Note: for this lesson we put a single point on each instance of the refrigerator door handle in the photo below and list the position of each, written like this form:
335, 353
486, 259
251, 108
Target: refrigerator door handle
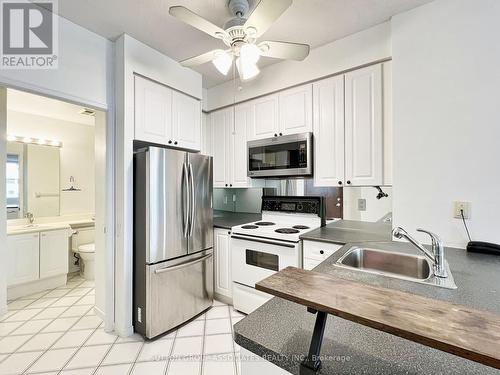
193, 200
185, 199
183, 265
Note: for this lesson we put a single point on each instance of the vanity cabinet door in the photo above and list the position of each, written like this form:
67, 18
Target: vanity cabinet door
22, 258
53, 253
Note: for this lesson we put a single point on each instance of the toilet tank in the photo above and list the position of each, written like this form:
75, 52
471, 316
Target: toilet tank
82, 236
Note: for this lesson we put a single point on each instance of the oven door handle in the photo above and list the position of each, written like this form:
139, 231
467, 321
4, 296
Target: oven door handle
263, 241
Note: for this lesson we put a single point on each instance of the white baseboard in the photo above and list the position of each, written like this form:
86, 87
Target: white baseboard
224, 299
124, 331
36, 286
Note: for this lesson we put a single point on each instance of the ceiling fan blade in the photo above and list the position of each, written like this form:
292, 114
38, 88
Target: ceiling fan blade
265, 14
191, 18
284, 50
201, 59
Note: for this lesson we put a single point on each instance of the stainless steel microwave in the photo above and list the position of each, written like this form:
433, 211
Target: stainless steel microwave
283, 156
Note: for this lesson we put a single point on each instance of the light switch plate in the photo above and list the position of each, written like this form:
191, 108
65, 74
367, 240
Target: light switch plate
458, 206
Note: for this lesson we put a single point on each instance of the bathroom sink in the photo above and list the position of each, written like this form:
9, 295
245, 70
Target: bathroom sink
402, 266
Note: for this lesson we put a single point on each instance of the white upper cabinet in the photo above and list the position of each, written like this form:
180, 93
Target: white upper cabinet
363, 126
166, 116
186, 122
243, 119
295, 110
221, 123
207, 135
328, 109
153, 111
23, 258
265, 122
228, 134
53, 253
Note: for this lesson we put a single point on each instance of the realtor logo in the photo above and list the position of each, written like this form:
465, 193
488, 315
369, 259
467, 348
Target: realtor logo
29, 34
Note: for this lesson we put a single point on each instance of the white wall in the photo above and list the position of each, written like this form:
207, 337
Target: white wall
446, 86
132, 57
76, 155
83, 73
3, 201
375, 208
352, 51
85, 76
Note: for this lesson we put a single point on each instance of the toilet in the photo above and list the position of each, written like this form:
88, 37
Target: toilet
82, 243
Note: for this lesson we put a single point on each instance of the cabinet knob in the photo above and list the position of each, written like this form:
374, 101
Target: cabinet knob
226, 184
170, 142
229, 232
175, 142
348, 182
275, 134
321, 252
281, 134
340, 182
230, 185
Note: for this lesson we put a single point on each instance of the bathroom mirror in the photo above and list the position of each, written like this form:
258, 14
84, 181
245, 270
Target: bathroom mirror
32, 180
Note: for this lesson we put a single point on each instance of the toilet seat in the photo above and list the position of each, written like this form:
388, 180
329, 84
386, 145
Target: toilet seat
87, 248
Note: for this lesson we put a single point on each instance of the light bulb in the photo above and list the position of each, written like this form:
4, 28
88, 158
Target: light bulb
223, 62
250, 53
246, 70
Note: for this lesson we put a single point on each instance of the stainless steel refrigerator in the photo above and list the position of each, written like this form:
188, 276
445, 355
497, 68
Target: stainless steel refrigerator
173, 238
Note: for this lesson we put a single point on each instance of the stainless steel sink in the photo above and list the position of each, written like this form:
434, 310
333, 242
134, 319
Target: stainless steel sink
393, 264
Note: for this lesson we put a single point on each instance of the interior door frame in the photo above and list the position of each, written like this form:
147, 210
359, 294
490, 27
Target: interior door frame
109, 225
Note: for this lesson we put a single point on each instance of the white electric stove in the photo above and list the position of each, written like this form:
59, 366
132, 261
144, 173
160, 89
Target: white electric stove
261, 248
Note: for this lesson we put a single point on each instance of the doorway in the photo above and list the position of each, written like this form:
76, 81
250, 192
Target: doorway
56, 175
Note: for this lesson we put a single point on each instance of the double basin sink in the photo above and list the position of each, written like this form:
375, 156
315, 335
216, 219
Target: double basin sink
393, 264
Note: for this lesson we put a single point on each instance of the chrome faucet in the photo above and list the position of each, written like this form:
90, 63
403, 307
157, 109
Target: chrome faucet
30, 217
437, 255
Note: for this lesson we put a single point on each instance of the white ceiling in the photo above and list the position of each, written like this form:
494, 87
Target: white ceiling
20, 101
315, 22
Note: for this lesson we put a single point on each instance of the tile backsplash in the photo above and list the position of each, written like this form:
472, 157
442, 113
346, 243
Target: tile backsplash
238, 200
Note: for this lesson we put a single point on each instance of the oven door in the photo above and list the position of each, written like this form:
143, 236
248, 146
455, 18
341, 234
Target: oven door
254, 259
289, 155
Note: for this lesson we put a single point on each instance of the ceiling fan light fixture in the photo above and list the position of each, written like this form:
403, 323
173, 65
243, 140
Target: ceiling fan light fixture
247, 70
223, 62
250, 53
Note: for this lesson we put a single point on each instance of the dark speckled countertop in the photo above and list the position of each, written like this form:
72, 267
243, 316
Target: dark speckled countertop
282, 330
345, 231
227, 219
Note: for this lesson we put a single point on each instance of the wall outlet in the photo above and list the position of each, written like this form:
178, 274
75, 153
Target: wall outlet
362, 204
465, 206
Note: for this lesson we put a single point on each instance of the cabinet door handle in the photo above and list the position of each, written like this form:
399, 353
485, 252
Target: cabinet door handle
321, 252
281, 134
340, 182
175, 142
348, 182
170, 142
275, 134
226, 184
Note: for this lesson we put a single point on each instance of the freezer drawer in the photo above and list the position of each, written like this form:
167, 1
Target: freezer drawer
177, 291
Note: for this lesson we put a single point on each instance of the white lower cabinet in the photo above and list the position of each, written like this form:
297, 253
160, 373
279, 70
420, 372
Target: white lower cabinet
316, 252
222, 264
34, 256
53, 253
22, 258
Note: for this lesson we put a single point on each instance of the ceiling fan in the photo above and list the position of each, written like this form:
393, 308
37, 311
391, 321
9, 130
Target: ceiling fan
240, 34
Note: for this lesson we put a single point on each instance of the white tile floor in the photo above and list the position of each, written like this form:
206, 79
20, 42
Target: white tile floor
57, 332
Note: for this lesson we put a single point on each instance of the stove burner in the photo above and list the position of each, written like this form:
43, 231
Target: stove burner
264, 223
300, 227
287, 230
249, 227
